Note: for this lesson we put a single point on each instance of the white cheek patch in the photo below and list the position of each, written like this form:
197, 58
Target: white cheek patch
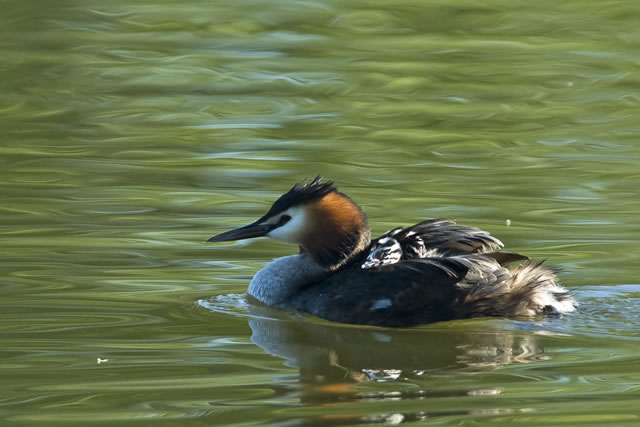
292, 231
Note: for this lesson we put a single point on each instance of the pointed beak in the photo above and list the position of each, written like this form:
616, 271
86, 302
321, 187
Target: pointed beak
247, 232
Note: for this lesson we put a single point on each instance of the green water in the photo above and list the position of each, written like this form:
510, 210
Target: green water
130, 132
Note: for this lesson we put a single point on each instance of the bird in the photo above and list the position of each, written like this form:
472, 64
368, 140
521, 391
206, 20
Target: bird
434, 237
435, 270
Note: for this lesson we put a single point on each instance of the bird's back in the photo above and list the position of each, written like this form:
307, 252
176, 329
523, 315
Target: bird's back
421, 291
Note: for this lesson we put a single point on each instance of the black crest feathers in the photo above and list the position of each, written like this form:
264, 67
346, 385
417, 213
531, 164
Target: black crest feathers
300, 194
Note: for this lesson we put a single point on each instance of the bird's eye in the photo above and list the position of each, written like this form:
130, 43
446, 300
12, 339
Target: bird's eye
284, 219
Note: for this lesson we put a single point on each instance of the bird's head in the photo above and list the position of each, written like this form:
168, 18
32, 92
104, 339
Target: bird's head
326, 224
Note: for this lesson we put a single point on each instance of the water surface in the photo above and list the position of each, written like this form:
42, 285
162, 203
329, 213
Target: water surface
130, 133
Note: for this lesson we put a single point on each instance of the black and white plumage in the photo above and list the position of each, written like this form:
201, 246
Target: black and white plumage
432, 271
430, 238
386, 250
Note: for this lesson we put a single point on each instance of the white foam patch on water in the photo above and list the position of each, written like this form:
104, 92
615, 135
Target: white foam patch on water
238, 305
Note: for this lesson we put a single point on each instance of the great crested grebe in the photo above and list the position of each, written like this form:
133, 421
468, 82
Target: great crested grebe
435, 270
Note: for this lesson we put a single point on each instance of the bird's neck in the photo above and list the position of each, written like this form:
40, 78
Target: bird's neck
283, 277
339, 231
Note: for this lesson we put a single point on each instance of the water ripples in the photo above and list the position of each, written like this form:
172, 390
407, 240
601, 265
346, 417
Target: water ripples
133, 132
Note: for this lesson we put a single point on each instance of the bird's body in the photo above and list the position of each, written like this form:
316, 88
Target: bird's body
435, 270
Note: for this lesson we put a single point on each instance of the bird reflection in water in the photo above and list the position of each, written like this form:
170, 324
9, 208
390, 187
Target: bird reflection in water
339, 364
